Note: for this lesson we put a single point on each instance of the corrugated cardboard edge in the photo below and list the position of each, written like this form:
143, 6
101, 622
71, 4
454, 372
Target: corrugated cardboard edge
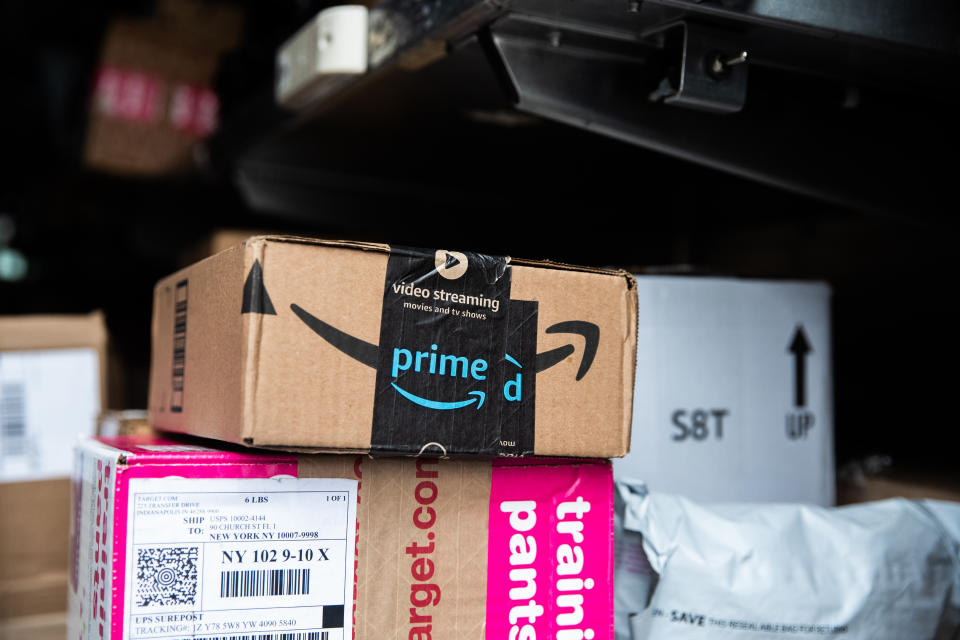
632, 304
385, 248
312, 450
51, 331
253, 250
343, 244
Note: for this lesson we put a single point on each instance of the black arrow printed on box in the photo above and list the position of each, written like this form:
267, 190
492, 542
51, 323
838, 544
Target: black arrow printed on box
255, 296
800, 347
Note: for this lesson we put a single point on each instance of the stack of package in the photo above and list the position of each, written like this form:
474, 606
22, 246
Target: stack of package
430, 433
370, 441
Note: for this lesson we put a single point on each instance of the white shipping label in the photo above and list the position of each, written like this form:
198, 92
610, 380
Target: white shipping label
48, 399
240, 559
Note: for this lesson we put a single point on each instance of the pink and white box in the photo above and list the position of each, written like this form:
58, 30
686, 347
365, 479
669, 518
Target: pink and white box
176, 541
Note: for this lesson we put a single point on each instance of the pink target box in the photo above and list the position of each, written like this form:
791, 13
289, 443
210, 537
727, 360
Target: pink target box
174, 540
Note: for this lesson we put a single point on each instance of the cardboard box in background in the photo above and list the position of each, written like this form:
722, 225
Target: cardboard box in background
52, 385
223, 239
33, 557
734, 398
353, 347
913, 484
443, 549
51, 626
153, 97
126, 422
217, 241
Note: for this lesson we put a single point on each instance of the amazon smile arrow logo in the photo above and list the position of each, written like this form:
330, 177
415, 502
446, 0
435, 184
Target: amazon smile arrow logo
436, 404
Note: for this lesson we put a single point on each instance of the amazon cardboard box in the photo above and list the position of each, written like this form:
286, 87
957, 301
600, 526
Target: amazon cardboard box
179, 540
355, 347
52, 380
734, 392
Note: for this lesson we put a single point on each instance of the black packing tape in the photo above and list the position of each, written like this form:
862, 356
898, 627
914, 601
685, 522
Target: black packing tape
456, 360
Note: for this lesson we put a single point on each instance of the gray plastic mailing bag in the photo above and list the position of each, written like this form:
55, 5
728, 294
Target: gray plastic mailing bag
880, 570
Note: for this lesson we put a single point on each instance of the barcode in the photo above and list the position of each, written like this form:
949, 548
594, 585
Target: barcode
166, 576
179, 345
295, 635
264, 582
13, 423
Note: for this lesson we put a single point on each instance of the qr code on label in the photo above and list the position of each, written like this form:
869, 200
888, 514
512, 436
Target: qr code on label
166, 576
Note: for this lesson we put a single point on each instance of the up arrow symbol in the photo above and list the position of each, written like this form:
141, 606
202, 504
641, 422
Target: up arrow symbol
800, 347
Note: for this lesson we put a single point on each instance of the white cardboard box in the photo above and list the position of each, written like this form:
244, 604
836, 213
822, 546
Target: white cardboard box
733, 396
52, 377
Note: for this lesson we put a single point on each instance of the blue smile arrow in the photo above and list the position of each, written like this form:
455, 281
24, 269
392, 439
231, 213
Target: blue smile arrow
436, 404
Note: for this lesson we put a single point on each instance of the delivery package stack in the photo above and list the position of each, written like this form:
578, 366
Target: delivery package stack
362, 440
396, 443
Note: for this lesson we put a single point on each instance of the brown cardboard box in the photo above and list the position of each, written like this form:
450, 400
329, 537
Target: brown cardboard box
437, 552
33, 547
279, 342
910, 483
127, 422
34, 520
153, 98
51, 626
